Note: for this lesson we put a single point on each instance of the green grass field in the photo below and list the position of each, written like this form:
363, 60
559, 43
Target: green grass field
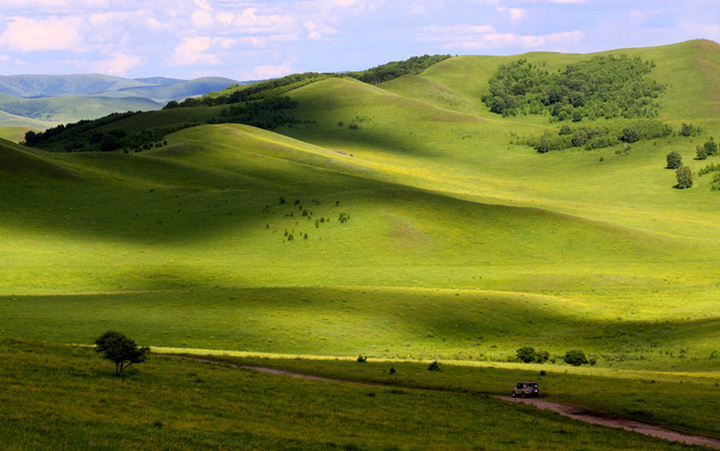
401, 221
170, 404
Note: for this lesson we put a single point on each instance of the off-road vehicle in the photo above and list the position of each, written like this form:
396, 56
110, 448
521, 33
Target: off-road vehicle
526, 390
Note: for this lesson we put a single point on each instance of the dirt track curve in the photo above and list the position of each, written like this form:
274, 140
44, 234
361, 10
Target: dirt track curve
562, 409
614, 422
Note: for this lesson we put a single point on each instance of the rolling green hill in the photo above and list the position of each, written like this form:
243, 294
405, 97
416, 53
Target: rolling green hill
43, 101
402, 220
54, 110
173, 91
58, 85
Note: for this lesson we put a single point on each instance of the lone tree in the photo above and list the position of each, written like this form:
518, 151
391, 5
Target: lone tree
118, 348
684, 177
711, 147
575, 357
674, 160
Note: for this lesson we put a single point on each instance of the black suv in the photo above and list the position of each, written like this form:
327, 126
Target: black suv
526, 389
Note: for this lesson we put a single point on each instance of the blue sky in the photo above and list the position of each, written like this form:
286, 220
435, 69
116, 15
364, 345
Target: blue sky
250, 40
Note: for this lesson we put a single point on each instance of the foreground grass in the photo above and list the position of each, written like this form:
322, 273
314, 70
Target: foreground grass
678, 401
64, 398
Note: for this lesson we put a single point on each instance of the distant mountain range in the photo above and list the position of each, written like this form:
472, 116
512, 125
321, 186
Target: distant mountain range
41, 101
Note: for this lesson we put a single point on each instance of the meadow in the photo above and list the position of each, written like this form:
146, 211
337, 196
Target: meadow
171, 404
403, 222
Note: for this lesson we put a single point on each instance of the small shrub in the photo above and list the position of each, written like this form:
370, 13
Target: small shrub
526, 354
434, 366
575, 357
542, 356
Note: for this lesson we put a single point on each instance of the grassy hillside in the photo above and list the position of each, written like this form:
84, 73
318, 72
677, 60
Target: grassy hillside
11, 121
174, 91
401, 220
55, 110
14, 134
57, 85
43, 101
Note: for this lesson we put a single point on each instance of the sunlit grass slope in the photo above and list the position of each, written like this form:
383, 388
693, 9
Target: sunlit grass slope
190, 246
409, 125
401, 200
14, 134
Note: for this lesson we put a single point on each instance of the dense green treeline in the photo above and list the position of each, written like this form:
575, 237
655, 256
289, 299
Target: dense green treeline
604, 86
257, 91
596, 136
395, 69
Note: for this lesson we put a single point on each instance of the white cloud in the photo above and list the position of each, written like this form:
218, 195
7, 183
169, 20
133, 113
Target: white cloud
30, 35
527, 42
467, 37
55, 5
202, 19
317, 31
203, 4
454, 33
705, 31
248, 21
225, 18
119, 65
516, 14
272, 71
154, 24
194, 51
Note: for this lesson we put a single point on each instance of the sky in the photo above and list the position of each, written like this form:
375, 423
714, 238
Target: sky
255, 40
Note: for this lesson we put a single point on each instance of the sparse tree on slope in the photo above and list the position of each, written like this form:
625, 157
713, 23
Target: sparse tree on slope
684, 177
674, 160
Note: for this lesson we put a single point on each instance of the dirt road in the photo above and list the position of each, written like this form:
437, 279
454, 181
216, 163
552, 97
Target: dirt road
562, 409
613, 422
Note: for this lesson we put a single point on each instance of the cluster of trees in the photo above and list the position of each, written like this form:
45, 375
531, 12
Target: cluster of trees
68, 132
684, 174
709, 149
595, 136
395, 69
268, 113
528, 354
604, 86
575, 357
